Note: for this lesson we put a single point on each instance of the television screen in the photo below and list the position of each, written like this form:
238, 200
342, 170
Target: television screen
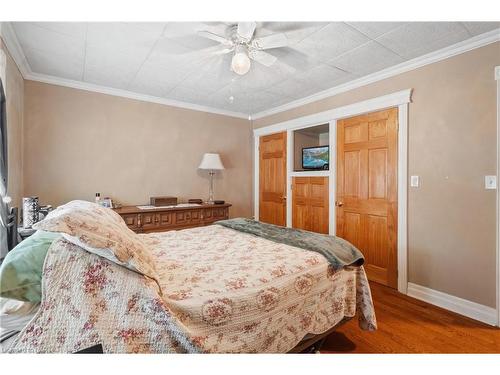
315, 157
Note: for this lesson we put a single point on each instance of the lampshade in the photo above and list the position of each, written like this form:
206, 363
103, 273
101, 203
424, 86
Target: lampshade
211, 162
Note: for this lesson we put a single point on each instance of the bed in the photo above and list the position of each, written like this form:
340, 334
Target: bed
215, 290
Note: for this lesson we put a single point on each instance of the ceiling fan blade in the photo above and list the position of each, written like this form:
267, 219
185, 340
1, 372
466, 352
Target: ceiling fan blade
270, 41
246, 30
262, 57
224, 51
215, 37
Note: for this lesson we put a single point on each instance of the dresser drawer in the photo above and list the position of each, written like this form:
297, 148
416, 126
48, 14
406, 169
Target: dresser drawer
165, 218
148, 220
214, 214
131, 221
188, 217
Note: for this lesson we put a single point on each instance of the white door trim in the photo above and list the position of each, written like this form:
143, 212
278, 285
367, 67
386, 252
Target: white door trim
398, 99
497, 78
403, 198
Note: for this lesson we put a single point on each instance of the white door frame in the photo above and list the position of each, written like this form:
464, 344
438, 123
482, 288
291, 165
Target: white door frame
399, 99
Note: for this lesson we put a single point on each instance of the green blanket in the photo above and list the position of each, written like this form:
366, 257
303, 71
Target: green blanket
337, 251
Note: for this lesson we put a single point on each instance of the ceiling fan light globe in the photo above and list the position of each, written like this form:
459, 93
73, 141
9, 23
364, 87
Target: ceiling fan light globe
240, 63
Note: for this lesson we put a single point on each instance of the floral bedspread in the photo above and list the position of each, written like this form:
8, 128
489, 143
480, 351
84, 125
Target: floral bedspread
221, 291
235, 292
88, 300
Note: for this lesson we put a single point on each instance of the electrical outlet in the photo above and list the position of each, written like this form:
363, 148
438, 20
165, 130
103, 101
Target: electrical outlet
415, 181
490, 182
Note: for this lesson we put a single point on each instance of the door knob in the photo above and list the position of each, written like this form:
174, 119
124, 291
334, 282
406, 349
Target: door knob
283, 198
339, 204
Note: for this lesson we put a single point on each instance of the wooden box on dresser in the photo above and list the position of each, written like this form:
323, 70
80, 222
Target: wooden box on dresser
164, 219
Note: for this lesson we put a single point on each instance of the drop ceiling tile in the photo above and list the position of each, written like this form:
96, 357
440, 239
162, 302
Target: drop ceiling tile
331, 41
127, 62
150, 87
155, 28
34, 37
54, 65
211, 76
476, 28
188, 96
294, 88
168, 54
74, 29
375, 29
295, 31
368, 58
121, 36
295, 60
186, 33
117, 78
244, 101
155, 80
323, 76
419, 38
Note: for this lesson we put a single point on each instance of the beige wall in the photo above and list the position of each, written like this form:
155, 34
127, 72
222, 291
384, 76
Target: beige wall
14, 92
78, 143
452, 130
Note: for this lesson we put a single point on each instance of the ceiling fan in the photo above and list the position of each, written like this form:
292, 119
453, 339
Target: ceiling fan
241, 41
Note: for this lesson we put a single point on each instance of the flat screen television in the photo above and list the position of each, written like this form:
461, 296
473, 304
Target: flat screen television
316, 157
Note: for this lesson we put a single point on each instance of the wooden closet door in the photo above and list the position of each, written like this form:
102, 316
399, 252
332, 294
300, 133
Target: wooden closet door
310, 204
300, 203
318, 203
367, 190
272, 179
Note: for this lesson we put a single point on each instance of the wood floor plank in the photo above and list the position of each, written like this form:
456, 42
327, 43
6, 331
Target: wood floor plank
407, 325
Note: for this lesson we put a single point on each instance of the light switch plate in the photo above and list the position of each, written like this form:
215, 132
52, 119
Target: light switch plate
415, 181
490, 182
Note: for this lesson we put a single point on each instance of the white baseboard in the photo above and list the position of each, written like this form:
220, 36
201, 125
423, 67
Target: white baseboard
458, 305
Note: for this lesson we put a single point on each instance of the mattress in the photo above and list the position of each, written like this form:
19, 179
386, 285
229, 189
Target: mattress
235, 292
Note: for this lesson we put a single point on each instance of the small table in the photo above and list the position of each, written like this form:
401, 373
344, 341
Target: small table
25, 232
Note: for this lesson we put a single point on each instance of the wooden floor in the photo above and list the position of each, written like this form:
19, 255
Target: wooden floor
407, 325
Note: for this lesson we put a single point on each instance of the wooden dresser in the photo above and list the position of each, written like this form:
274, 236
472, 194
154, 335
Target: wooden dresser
164, 219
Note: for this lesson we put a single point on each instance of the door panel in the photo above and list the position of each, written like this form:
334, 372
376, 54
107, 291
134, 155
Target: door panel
352, 228
272, 179
352, 173
367, 190
310, 204
377, 174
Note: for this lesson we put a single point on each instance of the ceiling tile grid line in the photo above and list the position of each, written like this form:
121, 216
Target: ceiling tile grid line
172, 62
149, 54
85, 52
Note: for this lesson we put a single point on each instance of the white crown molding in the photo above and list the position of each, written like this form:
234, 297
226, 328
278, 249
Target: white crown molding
370, 105
442, 54
458, 305
15, 50
129, 94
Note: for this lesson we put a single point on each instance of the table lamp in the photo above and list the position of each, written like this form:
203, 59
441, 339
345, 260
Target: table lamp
212, 163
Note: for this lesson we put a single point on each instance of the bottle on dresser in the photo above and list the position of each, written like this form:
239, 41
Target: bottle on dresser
98, 198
